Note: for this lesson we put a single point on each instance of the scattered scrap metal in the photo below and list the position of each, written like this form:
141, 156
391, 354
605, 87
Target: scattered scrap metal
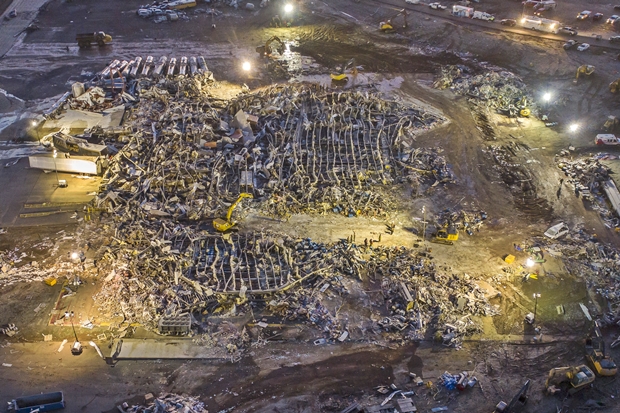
167, 403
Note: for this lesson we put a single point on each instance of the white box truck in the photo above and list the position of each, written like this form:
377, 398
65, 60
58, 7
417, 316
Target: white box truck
462, 11
536, 23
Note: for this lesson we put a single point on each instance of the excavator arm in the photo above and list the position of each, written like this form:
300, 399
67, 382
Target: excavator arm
266, 49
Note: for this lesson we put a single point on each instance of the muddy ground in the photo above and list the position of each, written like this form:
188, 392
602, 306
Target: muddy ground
290, 374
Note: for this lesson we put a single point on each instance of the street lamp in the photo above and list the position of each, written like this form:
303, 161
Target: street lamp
547, 97
76, 348
55, 168
573, 127
529, 262
246, 66
536, 297
288, 8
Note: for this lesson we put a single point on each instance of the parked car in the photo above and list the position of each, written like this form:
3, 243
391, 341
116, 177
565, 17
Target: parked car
584, 15
569, 44
530, 3
568, 30
508, 22
412, 1
614, 39
597, 16
557, 231
583, 47
617, 7
437, 6
612, 19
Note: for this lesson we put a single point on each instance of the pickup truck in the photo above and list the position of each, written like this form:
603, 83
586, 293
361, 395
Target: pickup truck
45, 402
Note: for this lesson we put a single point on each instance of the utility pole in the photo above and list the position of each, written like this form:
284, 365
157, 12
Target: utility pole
424, 226
55, 168
536, 297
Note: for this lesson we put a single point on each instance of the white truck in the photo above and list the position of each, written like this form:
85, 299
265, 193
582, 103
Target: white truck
606, 139
483, 16
537, 23
462, 11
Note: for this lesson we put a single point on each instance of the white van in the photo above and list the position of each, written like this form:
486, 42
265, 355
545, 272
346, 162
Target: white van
606, 139
483, 16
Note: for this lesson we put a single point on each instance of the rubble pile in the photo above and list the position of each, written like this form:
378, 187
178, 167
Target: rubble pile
518, 179
468, 222
588, 178
14, 270
497, 89
168, 403
421, 298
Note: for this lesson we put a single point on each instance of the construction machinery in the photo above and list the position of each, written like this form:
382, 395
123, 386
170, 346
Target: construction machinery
585, 70
224, 224
518, 107
266, 50
578, 377
448, 234
516, 404
602, 363
611, 124
341, 73
614, 86
388, 26
87, 39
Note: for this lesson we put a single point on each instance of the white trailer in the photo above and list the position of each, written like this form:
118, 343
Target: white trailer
462, 11
537, 23
81, 165
483, 16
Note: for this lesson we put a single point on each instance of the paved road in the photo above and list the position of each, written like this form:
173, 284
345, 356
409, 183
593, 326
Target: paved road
26, 12
584, 37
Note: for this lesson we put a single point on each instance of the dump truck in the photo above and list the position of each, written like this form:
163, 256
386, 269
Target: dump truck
45, 402
578, 379
87, 39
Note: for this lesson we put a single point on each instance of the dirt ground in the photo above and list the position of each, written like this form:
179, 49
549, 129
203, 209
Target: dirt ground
290, 374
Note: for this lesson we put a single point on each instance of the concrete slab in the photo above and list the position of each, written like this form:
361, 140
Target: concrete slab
183, 348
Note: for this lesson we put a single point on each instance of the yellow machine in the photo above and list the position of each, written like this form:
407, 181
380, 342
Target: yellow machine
446, 235
388, 27
585, 70
223, 225
603, 364
611, 123
578, 377
614, 86
341, 74
266, 50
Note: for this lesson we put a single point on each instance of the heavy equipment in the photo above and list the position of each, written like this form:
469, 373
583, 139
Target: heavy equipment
611, 124
388, 27
86, 39
614, 86
602, 363
519, 107
341, 73
223, 225
448, 234
516, 404
585, 70
579, 377
266, 50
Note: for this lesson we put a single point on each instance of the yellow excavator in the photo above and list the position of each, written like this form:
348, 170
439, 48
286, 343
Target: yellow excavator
341, 73
266, 50
614, 86
585, 70
223, 225
389, 27
446, 235
579, 377
603, 364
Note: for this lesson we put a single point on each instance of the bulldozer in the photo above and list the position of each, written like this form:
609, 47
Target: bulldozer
578, 377
448, 235
388, 27
224, 224
585, 70
614, 86
341, 73
266, 50
602, 363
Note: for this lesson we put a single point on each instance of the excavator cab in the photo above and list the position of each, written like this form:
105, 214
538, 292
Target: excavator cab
224, 224
266, 50
446, 235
